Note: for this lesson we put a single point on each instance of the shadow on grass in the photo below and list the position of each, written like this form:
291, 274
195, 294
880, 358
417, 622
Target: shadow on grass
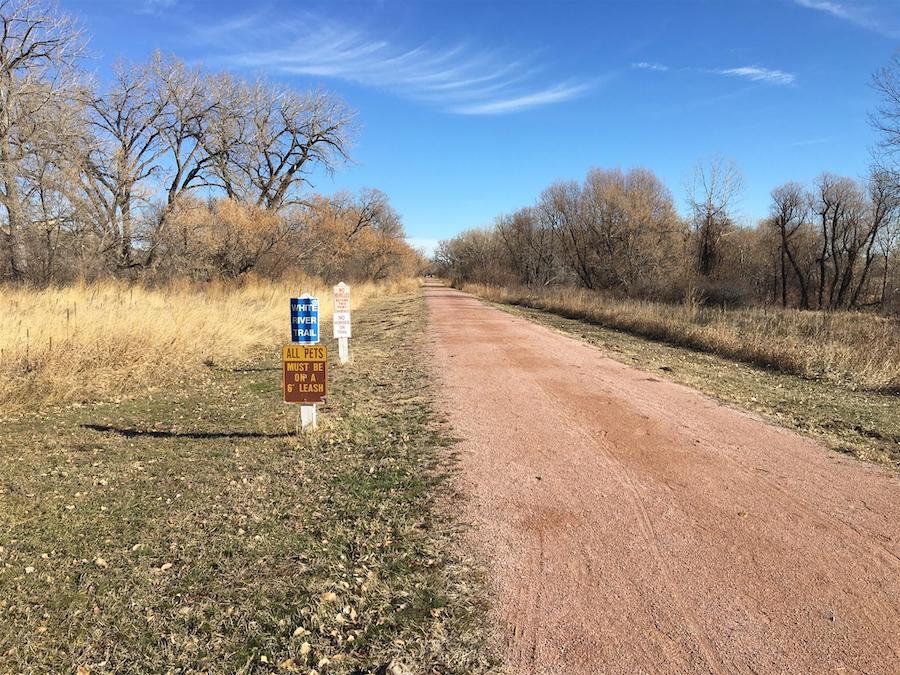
198, 435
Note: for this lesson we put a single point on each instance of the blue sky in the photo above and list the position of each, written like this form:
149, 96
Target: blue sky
469, 108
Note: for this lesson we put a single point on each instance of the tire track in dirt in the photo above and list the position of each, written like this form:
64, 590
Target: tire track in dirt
634, 525
710, 655
880, 613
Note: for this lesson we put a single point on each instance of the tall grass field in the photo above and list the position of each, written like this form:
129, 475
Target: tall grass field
854, 349
86, 342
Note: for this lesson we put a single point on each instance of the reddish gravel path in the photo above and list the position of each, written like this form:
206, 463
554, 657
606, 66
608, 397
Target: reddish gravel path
634, 525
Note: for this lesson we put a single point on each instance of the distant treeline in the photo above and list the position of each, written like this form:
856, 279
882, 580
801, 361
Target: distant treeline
834, 244
170, 170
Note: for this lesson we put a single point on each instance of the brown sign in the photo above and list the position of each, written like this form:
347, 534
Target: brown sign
305, 373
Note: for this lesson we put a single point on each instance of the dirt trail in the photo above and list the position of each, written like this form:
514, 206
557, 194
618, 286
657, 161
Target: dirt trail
634, 525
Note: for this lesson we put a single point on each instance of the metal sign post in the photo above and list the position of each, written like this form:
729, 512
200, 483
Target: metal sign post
305, 364
341, 320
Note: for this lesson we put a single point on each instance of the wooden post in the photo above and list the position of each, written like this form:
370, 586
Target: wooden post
307, 417
344, 349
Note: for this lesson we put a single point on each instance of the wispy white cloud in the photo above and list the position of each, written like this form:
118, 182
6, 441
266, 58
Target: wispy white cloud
834, 8
643, 65
459, 78
555, 94
752, 73
883, 20
757, 74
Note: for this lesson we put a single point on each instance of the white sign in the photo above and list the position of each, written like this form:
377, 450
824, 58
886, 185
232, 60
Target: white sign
342, 325
341, 298
341, 319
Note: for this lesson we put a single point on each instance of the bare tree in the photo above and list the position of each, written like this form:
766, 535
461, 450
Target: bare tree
186, 103
287, 136
227, 137
371, 210
51, 176
470, 256
888, 245
880, 216
886, 118
839, 207
38, 50
85, 175
559, 208
789, 214
530, 247
130, 118
713, 189
633, 224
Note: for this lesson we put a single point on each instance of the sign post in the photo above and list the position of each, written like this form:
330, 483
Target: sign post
341, 320
305, 363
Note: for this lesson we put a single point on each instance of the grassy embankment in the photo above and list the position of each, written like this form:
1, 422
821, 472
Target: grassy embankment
188, 529
834, 375
82, 343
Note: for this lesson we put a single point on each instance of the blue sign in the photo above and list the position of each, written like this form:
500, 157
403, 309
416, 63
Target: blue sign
305, 320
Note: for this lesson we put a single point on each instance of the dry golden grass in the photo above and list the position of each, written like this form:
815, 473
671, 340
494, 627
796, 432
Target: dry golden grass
858, 350
87, 342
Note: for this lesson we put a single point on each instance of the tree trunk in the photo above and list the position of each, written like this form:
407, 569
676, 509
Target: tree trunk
15, 247
821, 261
884, 278
15, 216
783, 275
867, 266
126, 234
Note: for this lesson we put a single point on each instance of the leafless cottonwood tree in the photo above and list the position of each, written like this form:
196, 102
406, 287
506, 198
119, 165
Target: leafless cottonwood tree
633, 225
52, 178
713, 190
287, 135
560, 208
92, 180
39, 48
129, 118
187, 101
888, 245
846, 222
371, 210
881, 213
886, 117
226, 136
164, 122
829, 246
530, 247
790, 213
838, 206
